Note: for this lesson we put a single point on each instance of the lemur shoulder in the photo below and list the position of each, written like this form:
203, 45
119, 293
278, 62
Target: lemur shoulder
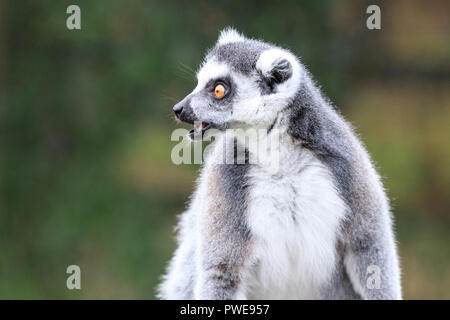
312, 230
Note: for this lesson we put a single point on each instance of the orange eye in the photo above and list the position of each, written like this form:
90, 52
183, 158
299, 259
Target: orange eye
219, 91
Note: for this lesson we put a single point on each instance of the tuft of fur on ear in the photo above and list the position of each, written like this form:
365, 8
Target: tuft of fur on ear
228, 35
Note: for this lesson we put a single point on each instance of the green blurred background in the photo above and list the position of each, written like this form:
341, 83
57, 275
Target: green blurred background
85, 121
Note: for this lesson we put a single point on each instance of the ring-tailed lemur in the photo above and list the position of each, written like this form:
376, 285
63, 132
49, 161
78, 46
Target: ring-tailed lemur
319, 228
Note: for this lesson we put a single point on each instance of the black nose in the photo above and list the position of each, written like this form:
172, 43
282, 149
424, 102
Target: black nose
178, 109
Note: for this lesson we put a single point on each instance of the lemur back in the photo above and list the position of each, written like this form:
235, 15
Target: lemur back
318, 227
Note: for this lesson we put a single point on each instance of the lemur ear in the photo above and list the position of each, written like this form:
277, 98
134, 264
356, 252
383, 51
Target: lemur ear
281, 70
274, 68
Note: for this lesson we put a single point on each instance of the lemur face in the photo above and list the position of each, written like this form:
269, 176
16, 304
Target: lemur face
242, 83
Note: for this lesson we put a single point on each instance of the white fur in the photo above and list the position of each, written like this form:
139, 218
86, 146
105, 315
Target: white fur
293, 260
248, 101
351, 266
229, 35
211, 69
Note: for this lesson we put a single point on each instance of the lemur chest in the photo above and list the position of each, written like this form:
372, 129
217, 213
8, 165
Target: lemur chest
294, 218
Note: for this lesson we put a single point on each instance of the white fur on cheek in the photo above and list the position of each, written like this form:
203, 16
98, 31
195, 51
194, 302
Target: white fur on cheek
247, 101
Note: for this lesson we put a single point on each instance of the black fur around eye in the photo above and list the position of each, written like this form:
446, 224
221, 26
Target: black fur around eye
221, 90
223, 82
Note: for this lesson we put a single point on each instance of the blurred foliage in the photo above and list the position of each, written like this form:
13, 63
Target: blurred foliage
85, 123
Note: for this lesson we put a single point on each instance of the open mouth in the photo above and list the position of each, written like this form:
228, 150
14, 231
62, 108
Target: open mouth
199, 129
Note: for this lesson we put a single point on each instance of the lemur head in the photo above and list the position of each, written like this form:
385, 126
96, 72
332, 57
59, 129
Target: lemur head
241, 83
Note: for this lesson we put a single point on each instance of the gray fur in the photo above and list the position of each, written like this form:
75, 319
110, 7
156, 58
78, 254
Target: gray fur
340, 286
240, 56
229, 242
367, 229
